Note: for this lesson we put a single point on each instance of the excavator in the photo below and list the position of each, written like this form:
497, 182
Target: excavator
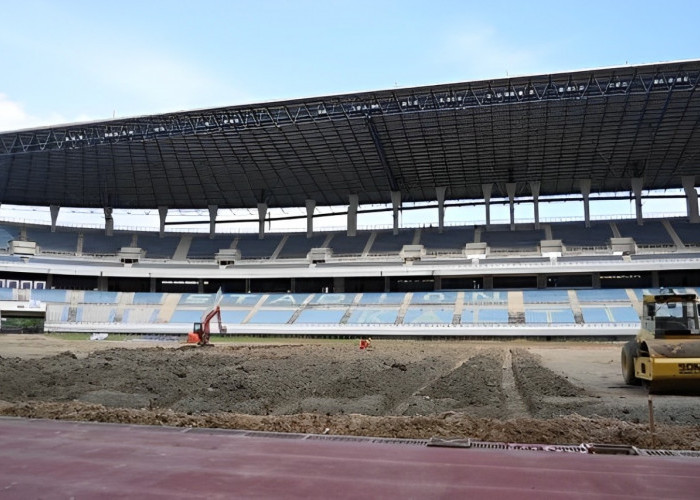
665, 355
201, 331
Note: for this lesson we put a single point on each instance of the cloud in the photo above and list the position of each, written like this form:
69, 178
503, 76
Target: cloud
154, 81
13, 116
482, 53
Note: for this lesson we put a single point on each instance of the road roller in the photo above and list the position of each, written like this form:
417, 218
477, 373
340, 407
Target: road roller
665, 355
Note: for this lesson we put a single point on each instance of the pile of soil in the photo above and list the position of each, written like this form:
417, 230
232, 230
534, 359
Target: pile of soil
401, 389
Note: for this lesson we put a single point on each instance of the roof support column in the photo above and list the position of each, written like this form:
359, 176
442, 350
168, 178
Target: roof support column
510, 189
637, 184
262, 212
310, 207
109, 221
54, 216
353, 202
396, 205
691, 197
213, 209
486, 190
440, 192
162, 213
585, 186
535, 189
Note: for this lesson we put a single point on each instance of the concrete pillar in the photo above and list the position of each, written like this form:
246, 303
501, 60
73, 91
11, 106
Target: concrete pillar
152, 285
54, 216
109, 221
395, 206
310, 207
637, 184
262, 212
353, 202
213, 209
510, 189
486, 190
691, 197
585, 186
162, 213
535, 190
440, 192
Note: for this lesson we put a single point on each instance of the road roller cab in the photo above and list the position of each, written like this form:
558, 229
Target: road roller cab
665, 355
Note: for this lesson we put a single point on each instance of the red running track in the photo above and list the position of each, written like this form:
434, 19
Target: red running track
54, 459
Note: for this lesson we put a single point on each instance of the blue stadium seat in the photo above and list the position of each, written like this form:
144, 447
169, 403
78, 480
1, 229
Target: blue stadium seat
419, 315
320, 316
333, 298
298, 245
240, 299
204, 247
545, 296
186, 316
157, 247
272, 316
61, 241
492, 316
342, 244
286, 299
98, 243
7, 234
576, 234
624, 314
603, 295
98, 297
452, 239
147, 298
234, 316
652, 232
437, 297
386, 242
373, 316
59, 296
382, 298
251, 247
595, 315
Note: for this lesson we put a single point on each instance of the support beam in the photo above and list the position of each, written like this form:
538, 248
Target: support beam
54, 216
213, 209
353, 202
510, 189
637, 184
162, 214
585, 186
262, 212
440, 192
535, 190
310, 207
109, 221
395, 206
691, 198
486, 190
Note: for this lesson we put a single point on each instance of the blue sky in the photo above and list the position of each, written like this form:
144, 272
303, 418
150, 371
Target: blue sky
65, 61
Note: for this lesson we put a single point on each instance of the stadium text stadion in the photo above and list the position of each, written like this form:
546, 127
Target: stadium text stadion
574, 136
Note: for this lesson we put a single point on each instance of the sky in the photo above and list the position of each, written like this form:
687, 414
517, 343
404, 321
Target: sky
65, 61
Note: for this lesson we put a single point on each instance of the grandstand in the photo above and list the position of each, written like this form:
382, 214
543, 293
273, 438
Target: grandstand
577, 137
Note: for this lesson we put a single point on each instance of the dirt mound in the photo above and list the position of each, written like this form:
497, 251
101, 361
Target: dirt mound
401, 389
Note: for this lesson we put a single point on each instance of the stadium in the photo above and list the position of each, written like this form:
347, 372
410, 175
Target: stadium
575, 138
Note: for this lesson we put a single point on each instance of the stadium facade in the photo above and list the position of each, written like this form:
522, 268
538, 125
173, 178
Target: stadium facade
573, 136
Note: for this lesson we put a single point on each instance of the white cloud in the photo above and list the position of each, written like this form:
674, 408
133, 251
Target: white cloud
482, 53
13, 116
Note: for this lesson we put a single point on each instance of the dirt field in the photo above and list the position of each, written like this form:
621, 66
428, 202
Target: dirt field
518, 391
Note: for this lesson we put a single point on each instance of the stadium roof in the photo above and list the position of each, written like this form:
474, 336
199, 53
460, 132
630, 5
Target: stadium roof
607, 125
